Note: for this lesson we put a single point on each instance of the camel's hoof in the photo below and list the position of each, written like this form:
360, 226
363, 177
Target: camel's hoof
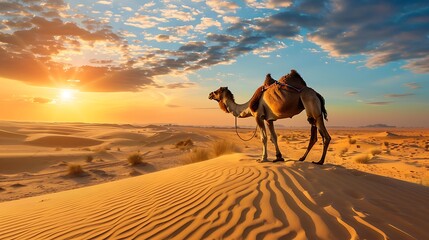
280, 159
301, 159
318, 163
262, 160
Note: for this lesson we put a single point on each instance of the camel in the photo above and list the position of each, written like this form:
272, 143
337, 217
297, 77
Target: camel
276, 100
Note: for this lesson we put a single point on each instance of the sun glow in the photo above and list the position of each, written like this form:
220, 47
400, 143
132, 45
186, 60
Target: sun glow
67, 95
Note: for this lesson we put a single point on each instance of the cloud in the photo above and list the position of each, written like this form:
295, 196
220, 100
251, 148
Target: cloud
172, 105
231, 19
412, 85
393, 95
144, 21
206, 23
105, 2
270, 4
351, 93
178, 30
177, 14
42, 100
418, 65
180, 85
378, 103
385, 31
222, 6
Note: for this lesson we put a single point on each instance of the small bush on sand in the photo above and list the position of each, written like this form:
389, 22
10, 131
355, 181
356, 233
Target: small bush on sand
375, 151
224, 147
135, 159
185, 144
89, 158
75, 170
363, 158
352, 141
343, 151
198, 155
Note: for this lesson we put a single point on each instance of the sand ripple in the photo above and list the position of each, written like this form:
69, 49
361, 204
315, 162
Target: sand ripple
226, 198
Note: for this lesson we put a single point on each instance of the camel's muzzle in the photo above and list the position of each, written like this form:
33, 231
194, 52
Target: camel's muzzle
211, 95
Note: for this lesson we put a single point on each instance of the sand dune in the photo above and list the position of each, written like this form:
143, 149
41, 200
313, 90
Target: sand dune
168, 137
231, 197
47, 140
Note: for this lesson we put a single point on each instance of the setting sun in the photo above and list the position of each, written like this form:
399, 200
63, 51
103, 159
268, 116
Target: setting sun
67, 95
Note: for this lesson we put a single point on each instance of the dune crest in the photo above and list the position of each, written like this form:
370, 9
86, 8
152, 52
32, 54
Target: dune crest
61, 141
228, 198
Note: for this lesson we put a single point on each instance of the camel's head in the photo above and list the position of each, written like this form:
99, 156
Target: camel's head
218, 95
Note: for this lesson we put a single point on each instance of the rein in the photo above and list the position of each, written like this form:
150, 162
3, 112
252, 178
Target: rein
246, 140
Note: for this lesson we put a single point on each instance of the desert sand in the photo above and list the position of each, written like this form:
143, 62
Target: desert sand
374, 184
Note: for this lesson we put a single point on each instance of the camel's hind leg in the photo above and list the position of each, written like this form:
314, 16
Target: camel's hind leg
273, 137
325, 136
313, 140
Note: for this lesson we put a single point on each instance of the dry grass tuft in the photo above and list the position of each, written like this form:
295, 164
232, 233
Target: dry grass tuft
375, 151
363, 158
343, 151
89, 158
224, 147
135, 159
75, 170
198, 155
187, 144
352, 141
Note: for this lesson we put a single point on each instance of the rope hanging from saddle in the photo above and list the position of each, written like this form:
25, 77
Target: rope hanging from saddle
246, 140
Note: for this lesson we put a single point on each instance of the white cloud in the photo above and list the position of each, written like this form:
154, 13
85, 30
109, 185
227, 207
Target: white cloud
177, 14
231, 19
143, 21
206, 23
222, 7
270, 4
104, 2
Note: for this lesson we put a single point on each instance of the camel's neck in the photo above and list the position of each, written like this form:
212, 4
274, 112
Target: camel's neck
238, 110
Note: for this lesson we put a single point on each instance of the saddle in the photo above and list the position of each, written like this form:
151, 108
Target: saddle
291, 82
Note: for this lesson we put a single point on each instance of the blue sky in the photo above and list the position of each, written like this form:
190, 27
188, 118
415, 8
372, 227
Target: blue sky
369, 59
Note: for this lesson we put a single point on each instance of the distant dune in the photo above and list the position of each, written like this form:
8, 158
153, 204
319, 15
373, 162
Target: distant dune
61, 141
379, 125
228, 198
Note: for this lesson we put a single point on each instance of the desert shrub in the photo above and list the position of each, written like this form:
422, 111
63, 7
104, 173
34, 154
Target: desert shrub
185, 144
89, 158
363, 158
74, 170
135, 159
224, 147
352, 141
343, 151
198, 155
375, 151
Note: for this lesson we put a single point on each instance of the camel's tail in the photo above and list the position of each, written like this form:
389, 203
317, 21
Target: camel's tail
322, 101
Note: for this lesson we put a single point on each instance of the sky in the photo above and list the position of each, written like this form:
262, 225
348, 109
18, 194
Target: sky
156, 61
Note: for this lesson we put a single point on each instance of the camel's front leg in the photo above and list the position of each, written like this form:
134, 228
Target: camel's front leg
273, 136
261, 125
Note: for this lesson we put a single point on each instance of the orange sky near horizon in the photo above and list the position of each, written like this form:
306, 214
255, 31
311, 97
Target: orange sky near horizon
22, 102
